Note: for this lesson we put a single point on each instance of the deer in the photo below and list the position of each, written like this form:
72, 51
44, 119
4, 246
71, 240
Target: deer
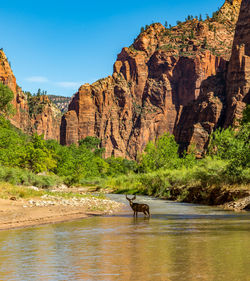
136, 207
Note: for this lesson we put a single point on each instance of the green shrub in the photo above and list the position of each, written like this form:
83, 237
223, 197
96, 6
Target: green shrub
233, 146
6, 96
163, 153
19, 176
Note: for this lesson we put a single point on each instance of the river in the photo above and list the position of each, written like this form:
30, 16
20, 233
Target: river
179, 242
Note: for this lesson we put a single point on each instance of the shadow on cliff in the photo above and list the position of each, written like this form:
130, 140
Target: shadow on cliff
183, 82
203, 112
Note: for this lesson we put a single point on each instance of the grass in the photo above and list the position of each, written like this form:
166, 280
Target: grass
8, 190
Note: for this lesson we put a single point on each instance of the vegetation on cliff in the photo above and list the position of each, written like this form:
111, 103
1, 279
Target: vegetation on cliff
6, 96
61, 102
194, 35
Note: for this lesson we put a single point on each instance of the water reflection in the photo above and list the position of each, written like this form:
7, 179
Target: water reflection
179, 242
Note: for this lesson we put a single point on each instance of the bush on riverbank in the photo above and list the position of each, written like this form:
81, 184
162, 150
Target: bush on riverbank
205, 173
19, 176
163, 153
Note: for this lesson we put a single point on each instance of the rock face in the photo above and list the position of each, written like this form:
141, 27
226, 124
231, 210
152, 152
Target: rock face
34, 114
227, 91
198, 119
238, 75
61, 102
45, 117
169, 80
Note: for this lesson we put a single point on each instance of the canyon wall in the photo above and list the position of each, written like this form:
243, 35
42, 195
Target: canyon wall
44, 120
238, 74
223, 96
169, 80
186, 80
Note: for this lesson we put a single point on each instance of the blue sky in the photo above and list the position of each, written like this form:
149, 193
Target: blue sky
59, 45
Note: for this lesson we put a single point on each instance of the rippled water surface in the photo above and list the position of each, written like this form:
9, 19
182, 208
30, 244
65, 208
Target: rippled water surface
179, 242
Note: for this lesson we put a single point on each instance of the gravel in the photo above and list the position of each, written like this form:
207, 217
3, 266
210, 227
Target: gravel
106, 205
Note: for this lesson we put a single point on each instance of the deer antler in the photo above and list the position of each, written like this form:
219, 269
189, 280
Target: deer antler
134, 197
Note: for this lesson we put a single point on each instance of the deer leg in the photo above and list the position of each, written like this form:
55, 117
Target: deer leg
145, 213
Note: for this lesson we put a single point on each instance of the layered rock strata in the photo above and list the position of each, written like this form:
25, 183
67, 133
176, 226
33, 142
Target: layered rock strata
223, 96
44, 121
170, 80
238, 74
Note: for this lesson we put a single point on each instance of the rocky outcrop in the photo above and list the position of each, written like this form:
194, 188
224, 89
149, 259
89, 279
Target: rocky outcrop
169, 80
32, 114
223, 97
238, 205
238, 75
21, 118
198, 119
61, 102
45, 118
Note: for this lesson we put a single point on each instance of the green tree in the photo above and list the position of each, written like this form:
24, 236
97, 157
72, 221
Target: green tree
37, 157
90, 142
233, 146
11, 144
39, 92
162, 153
246, 115
93, 144
119, 165
6, 96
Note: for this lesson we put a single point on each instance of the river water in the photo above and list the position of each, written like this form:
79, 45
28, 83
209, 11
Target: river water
179, 242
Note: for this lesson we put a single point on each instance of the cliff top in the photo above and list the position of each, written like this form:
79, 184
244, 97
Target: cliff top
192, 36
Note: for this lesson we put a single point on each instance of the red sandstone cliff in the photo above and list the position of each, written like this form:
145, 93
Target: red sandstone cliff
223, 96
169, 80
46, 121
238, 74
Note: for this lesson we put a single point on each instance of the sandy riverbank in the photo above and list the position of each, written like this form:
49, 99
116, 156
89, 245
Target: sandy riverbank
24, 213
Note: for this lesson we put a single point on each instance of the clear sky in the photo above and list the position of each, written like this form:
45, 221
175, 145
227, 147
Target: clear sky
59, 45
